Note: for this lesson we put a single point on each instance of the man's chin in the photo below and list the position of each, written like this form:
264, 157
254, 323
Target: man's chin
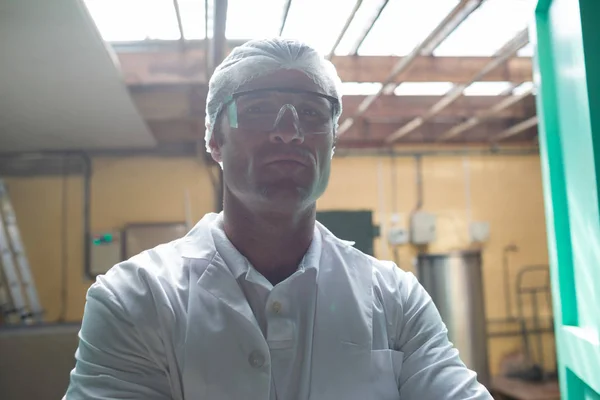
284, 196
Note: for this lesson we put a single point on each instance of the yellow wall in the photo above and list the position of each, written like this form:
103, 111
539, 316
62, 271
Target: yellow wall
504, 190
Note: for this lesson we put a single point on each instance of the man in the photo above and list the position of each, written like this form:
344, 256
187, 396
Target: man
261, 301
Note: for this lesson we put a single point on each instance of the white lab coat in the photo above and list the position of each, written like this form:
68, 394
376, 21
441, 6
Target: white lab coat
173, 323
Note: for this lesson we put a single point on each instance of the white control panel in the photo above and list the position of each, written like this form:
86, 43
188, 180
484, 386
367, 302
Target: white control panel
423, 229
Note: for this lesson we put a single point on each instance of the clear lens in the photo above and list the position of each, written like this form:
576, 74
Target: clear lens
263, 111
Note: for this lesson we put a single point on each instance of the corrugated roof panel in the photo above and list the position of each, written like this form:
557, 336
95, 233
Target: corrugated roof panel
364, 15
317, 22
489, 28
403, 25
242, 25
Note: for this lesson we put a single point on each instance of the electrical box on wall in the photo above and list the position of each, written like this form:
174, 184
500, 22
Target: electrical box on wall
422, 228
479, 231
105, 251
398, 236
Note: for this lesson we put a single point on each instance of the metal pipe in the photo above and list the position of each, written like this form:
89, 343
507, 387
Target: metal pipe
521, 317
87, 199
344, 29
206, 43
286, 10
419, 182
394, 188
458, 19
218, 41
364, 35
179, 23
540, 345
507, 297
64, 248
403, 64
394, 183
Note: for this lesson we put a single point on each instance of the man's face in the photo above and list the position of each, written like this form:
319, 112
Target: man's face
279, 171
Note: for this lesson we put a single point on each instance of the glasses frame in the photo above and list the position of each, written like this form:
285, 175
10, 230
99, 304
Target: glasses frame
335, 104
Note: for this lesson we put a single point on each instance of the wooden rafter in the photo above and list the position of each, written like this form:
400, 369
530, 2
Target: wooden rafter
174, 66
515, 130
485, 115
440, 32
502, 56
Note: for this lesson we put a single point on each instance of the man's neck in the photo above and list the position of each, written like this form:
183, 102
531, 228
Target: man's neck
274, 243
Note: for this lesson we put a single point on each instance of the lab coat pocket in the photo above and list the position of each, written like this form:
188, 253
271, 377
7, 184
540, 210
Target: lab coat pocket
385, 374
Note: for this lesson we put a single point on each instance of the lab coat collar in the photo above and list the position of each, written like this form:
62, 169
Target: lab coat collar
199, 242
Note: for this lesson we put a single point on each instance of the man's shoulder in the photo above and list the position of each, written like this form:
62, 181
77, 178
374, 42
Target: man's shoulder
386, 273
158, 276
164, 260
164, 265
354, 256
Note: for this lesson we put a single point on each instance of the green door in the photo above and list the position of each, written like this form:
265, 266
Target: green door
566, 35
355, 226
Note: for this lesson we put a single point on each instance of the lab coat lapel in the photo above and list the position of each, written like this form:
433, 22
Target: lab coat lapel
222, 332
343, 324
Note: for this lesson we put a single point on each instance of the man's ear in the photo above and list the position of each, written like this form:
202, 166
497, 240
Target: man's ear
215, 150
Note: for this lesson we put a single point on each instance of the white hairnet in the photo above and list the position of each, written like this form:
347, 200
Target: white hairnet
256, 58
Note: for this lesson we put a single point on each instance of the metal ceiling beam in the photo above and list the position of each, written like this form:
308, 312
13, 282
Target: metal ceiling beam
179, 23
368, 29
515, 130
436, 36
500, 57
451, 26
344, 29
218, 43
217, 54
286, 11
483, 116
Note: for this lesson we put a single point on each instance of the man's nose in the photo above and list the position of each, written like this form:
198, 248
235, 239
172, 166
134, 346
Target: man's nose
287, 129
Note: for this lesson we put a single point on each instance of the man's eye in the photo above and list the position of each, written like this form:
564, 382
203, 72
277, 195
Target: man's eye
310, 112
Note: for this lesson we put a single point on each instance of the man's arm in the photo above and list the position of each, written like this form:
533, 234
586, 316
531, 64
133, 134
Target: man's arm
113, 361
432, 368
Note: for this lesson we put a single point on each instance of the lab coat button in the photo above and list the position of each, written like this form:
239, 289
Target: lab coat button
276, 307
256, 359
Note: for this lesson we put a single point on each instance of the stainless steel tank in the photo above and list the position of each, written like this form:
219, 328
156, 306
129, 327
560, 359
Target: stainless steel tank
454, 282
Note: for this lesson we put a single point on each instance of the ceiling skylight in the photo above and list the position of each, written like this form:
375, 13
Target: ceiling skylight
134, 20
360, 88
489, 28
403, 25
423, 88
487, 88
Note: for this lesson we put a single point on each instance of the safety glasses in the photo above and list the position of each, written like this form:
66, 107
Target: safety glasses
262, 110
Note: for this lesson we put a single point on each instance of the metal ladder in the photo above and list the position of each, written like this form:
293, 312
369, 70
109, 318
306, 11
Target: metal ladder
19, 301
